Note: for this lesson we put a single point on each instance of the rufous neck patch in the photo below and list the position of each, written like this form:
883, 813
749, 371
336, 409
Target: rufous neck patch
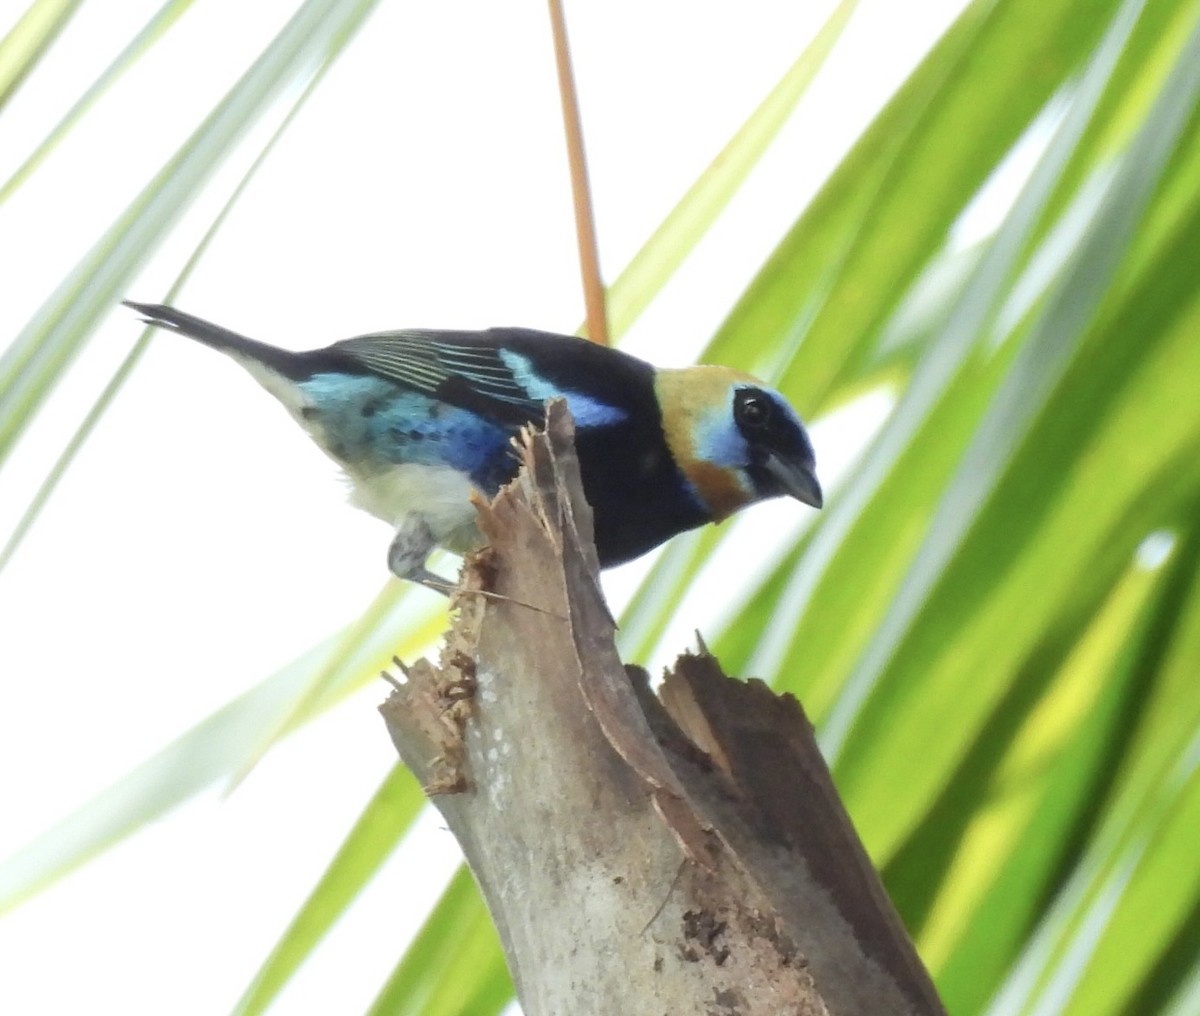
694, 402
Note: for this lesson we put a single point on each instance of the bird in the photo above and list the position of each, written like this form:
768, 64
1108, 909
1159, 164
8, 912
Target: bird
420, 420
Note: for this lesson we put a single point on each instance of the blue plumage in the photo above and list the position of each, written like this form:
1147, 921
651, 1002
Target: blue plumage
419, 420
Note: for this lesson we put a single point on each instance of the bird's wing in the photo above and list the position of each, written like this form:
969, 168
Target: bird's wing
458, 368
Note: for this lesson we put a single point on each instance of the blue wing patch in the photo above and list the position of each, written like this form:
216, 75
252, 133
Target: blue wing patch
585, 410
488, 379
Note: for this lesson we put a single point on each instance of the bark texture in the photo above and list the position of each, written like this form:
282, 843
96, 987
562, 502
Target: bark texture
670, 854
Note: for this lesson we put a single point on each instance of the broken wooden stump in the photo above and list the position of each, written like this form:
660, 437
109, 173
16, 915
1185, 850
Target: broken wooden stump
684, 852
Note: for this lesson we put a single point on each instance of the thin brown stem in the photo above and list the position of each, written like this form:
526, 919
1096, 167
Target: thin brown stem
585, 222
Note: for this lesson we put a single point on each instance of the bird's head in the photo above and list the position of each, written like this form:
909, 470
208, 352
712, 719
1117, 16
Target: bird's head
735, 440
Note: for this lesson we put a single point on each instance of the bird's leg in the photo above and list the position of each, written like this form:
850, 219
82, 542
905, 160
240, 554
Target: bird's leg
410, 549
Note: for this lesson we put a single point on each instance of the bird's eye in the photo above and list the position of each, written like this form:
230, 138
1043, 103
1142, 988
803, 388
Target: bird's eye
752, 410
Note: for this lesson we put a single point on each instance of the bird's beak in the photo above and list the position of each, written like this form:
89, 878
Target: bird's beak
798, 481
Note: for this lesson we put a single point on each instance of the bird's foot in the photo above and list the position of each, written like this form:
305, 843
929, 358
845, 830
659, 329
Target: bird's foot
410, 549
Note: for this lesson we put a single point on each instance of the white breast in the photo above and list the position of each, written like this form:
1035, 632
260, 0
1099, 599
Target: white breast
438, 494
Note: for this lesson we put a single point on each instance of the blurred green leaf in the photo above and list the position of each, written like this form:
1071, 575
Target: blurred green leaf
820, 302
381, 826
1081, 501
660, 257
995, 841
34, 362
214, 748
1153, 941
943, 134
165, 17
104, 400
454, 966
1153, 779
28, 41
1095, 295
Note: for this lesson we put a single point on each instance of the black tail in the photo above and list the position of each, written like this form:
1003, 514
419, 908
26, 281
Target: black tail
292, 365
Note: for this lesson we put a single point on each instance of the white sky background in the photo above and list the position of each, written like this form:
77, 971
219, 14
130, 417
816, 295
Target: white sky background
201, 542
